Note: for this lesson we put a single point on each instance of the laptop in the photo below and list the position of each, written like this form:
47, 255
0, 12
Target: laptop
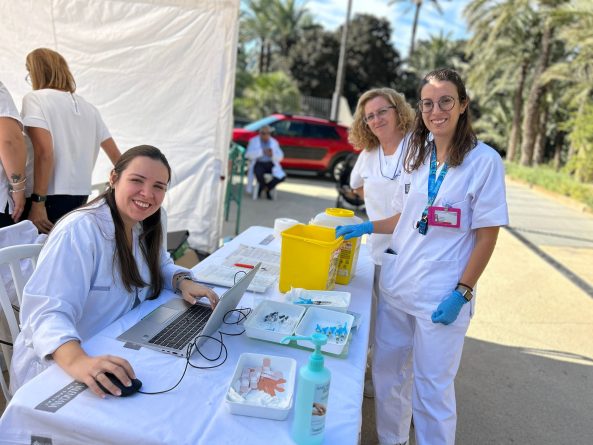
172, 326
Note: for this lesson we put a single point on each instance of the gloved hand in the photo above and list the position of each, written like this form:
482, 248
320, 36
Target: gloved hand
449, 308
354, 230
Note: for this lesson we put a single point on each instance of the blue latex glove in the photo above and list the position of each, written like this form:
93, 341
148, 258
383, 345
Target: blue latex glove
354, 230
449, 308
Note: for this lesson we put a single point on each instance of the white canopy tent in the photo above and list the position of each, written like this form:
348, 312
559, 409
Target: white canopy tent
161, 72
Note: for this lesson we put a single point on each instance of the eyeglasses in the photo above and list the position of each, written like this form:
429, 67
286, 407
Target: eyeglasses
380, 113
28, 78
263, 133
446, 103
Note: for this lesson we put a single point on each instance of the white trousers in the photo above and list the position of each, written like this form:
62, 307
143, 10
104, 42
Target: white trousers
414, 366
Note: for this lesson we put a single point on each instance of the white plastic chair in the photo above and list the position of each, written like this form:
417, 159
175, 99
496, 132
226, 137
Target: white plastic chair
12, 257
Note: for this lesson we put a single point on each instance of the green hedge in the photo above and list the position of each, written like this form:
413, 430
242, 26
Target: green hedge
559, 182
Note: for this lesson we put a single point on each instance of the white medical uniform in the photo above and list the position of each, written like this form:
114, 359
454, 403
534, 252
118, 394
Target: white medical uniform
254, 151
7, 109
77, 131
76, 290
415, 360
379, 175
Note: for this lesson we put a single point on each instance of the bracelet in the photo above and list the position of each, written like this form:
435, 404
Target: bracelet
16, 191
10, 184
471, 289
180, 277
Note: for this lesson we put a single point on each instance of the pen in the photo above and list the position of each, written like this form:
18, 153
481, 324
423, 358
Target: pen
246, 266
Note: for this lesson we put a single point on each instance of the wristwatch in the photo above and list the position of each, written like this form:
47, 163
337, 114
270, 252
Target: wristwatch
465, 292
38, 198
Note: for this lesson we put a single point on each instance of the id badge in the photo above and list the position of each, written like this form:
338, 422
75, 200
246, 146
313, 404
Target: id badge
444, 217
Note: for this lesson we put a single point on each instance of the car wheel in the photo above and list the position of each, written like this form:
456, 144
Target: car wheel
337, 168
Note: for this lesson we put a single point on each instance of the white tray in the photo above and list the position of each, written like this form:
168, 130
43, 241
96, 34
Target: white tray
324, 317
258, 403
256, 325
324, 299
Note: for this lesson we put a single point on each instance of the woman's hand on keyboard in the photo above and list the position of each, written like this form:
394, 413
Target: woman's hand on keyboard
192, 292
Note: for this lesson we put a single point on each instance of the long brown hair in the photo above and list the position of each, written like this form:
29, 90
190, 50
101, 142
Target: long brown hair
360, 135
464, 138
151, 238
48, 69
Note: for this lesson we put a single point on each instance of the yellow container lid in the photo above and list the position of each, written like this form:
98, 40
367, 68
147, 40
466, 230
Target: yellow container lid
341, 213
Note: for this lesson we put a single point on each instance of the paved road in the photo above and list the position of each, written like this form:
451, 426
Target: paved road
526, 375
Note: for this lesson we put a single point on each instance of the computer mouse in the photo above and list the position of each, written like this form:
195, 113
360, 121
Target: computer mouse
125, 390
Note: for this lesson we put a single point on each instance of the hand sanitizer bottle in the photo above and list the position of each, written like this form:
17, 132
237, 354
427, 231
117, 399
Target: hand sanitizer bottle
310, 408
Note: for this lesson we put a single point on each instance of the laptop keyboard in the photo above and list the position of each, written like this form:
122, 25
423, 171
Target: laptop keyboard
183, 329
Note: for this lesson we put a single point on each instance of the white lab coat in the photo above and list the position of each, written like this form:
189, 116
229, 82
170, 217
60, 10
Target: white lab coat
76, 290
425, 269
379, 175
254, 151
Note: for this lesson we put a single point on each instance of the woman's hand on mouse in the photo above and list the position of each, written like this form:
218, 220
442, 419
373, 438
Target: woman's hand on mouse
91, 370
192, 292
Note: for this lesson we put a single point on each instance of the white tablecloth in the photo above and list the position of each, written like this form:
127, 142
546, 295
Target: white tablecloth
195, 412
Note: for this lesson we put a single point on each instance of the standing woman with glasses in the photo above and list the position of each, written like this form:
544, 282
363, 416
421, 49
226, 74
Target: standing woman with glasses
449, 205
382, 121
66, 132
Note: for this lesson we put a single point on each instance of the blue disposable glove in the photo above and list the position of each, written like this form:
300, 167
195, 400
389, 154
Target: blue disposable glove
354, 230
449, 308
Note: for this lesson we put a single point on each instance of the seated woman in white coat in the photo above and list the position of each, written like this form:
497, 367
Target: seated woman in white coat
449, 204
99, 262
265, 154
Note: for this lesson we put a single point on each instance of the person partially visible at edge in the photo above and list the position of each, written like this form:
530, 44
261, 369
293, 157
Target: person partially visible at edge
66, 132
13, 156
430, 271
381, 126
266, 153
98, 263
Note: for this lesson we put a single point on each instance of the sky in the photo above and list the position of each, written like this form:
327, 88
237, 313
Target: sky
332, 13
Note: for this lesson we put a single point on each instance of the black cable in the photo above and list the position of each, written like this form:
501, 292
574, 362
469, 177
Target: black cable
243, 313
5, 343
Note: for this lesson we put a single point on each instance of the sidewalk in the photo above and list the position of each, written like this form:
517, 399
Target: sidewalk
526, 375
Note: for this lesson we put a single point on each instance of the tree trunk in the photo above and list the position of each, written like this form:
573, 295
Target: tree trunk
517, 109
541, 139
414, 26
262, 56
531, 115
558, 139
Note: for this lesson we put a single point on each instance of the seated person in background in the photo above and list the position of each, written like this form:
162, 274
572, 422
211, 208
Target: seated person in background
265, 152
98, 263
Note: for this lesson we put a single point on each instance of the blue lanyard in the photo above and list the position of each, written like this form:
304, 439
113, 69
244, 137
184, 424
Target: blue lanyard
434, 184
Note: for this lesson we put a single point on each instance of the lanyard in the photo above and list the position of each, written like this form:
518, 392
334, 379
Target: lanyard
382, 159
434, 184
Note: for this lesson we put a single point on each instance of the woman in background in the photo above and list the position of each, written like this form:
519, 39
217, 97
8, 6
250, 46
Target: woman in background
66, 132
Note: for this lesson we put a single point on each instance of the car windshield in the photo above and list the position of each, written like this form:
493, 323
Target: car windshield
254, 126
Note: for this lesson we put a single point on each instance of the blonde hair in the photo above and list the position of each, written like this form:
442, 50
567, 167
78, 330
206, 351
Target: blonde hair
48, 69
361, 136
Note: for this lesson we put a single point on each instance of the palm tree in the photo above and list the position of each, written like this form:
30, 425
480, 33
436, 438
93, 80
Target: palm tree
437, 52
255, 26
417, 7
503, 48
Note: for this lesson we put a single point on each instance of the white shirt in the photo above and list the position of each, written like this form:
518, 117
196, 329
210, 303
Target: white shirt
379, 175
255, 150
76, 289
77, 132
428, 267
7, 109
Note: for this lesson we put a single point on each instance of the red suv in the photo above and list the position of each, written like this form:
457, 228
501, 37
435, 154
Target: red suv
308, 143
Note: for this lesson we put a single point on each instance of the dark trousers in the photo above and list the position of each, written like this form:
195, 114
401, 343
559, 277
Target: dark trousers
260, 169
6, 219
57, 205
